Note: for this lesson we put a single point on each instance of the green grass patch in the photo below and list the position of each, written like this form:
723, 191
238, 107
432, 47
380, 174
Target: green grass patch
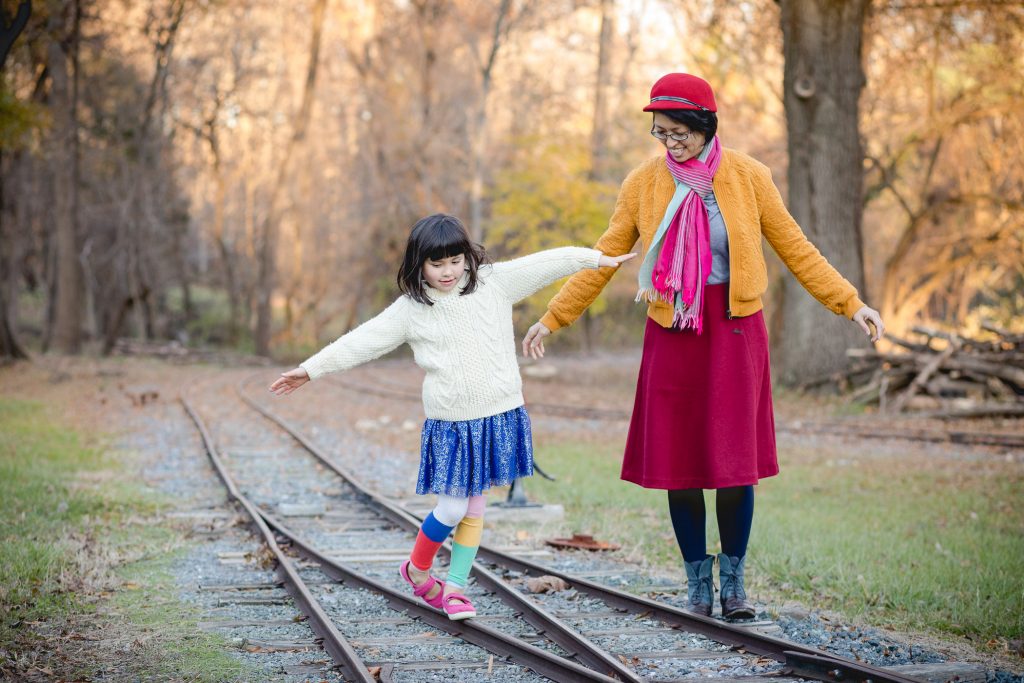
900, 544
172, 647
71, 513
38, 468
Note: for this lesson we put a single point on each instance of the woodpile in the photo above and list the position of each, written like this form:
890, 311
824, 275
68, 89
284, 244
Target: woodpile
176, 352
941, 375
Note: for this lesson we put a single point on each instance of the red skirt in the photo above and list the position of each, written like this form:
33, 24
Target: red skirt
703, 412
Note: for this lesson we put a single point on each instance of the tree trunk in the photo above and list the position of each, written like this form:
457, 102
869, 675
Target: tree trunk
823, 79
179, 224
227, 260
268, 242
478, 127
10, 349
69, 284
599, 129
11, 27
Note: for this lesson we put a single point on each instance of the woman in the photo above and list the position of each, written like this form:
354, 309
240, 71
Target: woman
703, 417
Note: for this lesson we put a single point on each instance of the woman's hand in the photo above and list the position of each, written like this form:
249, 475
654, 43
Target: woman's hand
533, 342
869, 315
289, 381
608, 262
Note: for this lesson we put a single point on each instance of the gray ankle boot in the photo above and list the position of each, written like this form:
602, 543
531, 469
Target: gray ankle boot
732, 594
699, 586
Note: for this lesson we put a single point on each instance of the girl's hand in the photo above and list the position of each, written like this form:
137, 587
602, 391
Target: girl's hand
533, 342
609, 262
869, 315
289, 381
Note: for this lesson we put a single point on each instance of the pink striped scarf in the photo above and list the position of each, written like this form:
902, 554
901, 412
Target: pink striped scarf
684, 263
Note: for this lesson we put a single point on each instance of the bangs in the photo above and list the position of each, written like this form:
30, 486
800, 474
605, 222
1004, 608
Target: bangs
434, 238
447, 239
704, 122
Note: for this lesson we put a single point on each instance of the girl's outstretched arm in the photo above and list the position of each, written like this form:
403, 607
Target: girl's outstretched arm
533, 342
521, 277
372, 339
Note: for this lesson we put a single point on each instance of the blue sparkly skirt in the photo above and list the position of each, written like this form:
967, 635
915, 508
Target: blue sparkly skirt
467, 457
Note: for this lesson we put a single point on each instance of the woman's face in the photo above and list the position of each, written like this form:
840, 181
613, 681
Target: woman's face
680, 151
443, 274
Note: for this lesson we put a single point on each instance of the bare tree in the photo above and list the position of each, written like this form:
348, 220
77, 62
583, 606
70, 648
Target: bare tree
10, 29
64, 153
140, 217
953, 215
599, 128
269, 230
485, 63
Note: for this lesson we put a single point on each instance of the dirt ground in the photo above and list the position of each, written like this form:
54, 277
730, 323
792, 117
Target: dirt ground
104, 397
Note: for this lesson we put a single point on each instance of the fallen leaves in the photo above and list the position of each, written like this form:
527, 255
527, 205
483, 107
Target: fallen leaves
546, 584
581, 542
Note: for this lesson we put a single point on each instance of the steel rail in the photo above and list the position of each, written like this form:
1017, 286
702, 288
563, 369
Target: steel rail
556, 630
473, 631
776, 648
333, 641
492, 640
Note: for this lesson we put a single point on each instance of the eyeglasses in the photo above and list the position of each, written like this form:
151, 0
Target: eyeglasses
678, 138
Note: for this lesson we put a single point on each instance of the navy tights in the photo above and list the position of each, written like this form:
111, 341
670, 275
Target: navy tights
734, 508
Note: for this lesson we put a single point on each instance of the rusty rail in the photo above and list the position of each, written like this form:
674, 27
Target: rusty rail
553, 628
333, 641
523, 653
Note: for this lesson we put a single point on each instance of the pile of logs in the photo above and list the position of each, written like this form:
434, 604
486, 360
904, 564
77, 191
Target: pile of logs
176, 352
942, 375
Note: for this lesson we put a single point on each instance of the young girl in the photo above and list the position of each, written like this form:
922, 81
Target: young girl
456, 314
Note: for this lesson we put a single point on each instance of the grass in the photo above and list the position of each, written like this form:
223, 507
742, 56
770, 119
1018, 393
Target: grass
913, 544
71, 515
170, 642
39, 506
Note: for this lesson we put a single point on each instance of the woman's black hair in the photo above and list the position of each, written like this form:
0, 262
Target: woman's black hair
433, 238
705, 122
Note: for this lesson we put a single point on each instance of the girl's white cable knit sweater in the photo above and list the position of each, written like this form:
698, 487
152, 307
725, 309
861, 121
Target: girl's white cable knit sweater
465, 344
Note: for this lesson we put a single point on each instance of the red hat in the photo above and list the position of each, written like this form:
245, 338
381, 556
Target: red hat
681, 91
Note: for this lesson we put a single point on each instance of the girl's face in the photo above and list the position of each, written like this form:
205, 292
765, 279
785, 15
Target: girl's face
680, 151
443, 274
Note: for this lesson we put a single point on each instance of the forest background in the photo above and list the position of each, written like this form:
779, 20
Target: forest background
244, 172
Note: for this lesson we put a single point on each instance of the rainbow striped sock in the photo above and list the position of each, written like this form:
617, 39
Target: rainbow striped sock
432, 534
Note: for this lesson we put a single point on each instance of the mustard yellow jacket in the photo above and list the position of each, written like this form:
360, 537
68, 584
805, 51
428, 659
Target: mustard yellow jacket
751, 207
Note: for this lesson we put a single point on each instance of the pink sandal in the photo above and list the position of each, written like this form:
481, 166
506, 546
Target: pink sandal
420, 590
458, 607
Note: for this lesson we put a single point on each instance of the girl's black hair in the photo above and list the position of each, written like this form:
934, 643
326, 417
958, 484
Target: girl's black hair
433, 238
705, 122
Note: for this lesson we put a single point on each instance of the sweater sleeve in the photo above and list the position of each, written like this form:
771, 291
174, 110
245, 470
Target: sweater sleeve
580, 291
521, 277
803, 259
372, 339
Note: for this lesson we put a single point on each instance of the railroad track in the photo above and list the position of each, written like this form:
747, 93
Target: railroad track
390, 389
611, 635
403, 619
